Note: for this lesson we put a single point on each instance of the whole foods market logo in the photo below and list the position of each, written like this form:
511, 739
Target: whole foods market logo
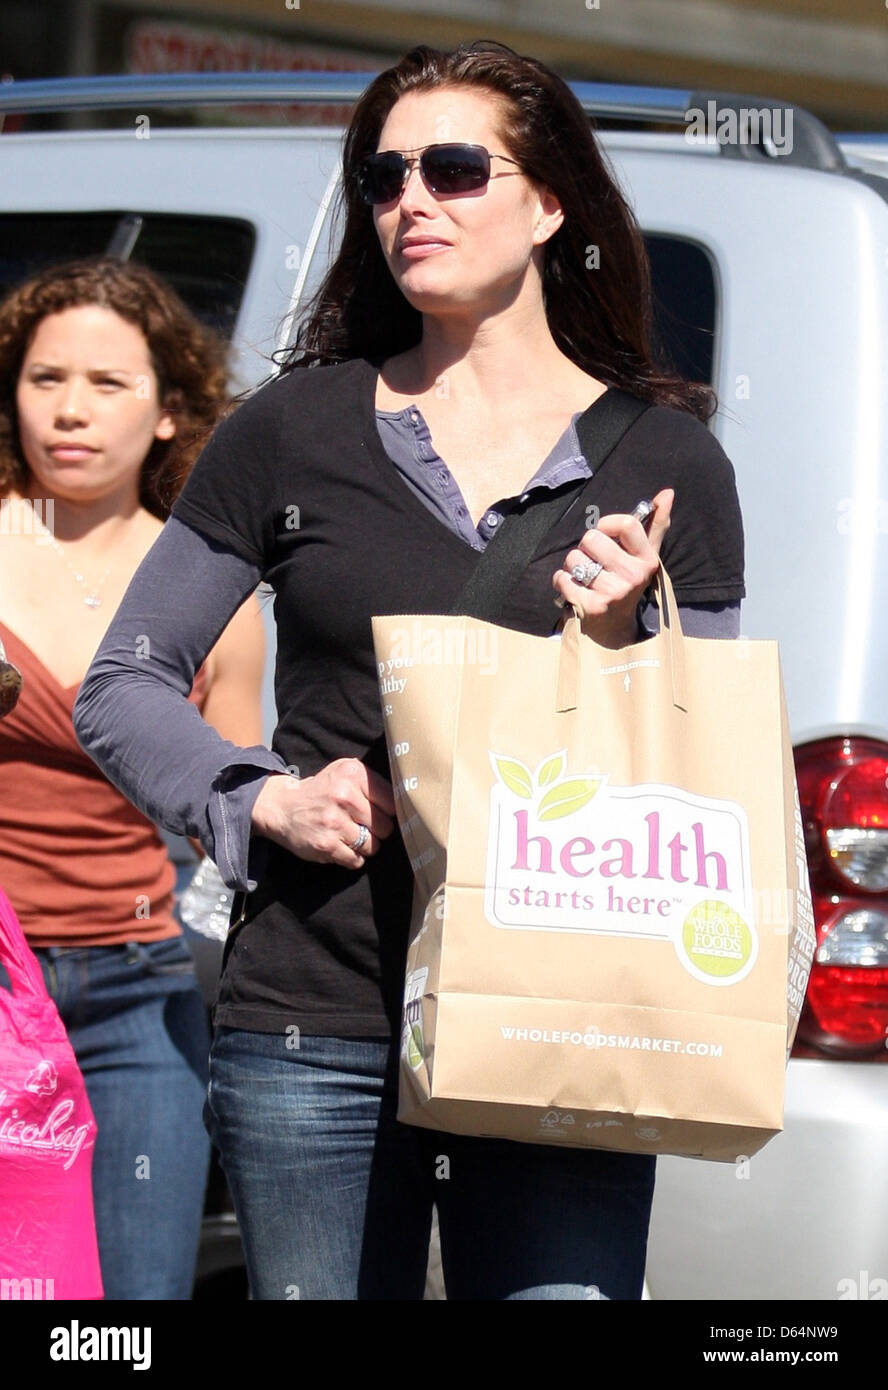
569, 851
412, 1044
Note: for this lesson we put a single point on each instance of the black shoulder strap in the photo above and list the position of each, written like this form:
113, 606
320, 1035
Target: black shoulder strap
600, 429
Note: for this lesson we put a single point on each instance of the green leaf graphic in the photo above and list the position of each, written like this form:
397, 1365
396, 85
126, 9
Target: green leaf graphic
568, 796
414, 1047
514, 774
550, 769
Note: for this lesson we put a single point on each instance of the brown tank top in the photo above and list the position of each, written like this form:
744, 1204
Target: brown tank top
79, 863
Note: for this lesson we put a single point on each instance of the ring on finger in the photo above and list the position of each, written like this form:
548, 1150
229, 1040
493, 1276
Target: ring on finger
361, 839
587, 573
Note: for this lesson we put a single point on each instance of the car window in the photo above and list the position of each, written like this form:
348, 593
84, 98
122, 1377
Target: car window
206, 259
684, 305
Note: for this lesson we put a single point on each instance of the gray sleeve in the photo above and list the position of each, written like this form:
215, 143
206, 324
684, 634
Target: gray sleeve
132, 714
697, 619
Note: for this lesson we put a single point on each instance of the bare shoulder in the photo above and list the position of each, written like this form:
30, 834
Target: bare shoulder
150, 528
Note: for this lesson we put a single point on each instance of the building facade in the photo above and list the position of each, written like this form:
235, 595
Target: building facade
829, 55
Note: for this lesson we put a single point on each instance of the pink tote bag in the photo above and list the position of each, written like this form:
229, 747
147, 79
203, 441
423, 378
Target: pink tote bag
47, 1133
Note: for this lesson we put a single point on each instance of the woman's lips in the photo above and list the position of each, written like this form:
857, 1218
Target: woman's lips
417, 250
70, 453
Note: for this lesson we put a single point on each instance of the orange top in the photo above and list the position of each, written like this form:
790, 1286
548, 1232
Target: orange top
79, 863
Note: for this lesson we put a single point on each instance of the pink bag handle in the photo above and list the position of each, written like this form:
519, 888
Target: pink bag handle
21, 964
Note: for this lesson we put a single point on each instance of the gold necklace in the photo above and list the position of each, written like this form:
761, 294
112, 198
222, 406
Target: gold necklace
92, 597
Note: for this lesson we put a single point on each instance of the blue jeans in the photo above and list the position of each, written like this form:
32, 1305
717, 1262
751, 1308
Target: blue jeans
139, 1030
334, 1197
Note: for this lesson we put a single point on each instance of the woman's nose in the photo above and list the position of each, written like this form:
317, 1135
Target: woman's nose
415, 193
71, 408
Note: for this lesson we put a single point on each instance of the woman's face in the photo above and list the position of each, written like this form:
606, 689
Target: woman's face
478, 246
87, 403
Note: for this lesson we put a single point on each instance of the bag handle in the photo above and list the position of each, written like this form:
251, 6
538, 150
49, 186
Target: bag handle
21, 964
569, 664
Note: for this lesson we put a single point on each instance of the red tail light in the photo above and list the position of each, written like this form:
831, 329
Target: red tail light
843, 789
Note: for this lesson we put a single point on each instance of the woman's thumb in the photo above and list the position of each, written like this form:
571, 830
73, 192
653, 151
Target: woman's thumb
661, 518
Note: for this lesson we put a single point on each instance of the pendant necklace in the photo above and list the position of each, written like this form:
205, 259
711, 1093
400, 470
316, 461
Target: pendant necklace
92, 597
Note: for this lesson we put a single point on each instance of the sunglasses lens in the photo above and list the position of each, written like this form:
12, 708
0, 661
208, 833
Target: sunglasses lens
445, 168
381, 177
455, 168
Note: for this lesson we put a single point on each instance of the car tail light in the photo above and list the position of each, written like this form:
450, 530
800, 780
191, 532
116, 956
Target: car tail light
843, 790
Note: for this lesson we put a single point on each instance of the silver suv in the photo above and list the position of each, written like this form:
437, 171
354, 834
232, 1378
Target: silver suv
768, 240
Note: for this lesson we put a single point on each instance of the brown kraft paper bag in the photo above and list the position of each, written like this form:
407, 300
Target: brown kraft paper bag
612, 924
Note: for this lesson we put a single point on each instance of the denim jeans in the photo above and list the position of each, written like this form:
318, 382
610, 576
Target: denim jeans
334, 1197
138, 1027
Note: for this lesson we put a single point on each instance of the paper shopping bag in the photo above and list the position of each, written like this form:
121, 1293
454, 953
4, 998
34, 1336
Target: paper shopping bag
48, 1247
612, 924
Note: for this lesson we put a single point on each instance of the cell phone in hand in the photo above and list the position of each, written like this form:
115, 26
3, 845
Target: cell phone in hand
642, 511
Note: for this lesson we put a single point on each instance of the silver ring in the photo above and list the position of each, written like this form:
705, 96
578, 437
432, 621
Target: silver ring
587, 573
362, 837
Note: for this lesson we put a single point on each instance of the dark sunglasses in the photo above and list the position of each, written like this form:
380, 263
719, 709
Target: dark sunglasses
444, 168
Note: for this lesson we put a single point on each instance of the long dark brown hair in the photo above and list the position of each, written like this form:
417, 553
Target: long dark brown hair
188, 360
600, 318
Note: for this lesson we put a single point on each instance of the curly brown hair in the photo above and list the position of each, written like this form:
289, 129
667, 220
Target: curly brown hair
188, 359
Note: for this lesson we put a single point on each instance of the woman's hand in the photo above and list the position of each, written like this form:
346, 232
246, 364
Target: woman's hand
320, 818
630, 559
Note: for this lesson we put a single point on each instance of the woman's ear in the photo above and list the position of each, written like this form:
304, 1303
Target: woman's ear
550, 216
165, 427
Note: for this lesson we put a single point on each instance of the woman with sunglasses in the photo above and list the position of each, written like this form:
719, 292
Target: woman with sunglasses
460, 332
108, 386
